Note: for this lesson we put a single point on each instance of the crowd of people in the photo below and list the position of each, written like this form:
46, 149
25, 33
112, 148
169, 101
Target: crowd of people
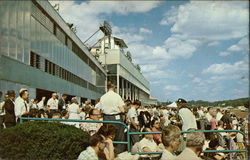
110, 107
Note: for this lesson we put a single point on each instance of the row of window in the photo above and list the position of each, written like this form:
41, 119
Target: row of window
54, 28
45, 65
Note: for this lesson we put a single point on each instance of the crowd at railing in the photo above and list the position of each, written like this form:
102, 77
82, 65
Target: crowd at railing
139, 123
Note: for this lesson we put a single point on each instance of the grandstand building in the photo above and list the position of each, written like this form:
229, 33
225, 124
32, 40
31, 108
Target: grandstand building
39, 51
130, 82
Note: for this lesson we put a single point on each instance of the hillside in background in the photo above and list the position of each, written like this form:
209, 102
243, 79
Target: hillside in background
224, 103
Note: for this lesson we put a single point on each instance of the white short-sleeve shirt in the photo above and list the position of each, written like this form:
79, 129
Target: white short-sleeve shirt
188, 119
98, 106
209, 117
147, 143
21, 106
53, 103
219, 116
111, 102
73, 109
132, 114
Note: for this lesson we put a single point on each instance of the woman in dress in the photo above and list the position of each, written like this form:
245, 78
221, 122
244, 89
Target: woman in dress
74, 109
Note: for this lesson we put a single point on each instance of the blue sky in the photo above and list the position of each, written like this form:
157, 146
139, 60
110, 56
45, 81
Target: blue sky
195, 50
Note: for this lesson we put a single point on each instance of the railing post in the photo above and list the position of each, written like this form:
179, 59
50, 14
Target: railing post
128, 138
247, 155
21, 120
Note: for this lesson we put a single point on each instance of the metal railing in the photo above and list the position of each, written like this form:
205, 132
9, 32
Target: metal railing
190, 131
141, 133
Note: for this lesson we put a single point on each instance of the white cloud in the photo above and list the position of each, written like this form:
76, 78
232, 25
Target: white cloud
190, 75
211, 20
149, 68
145, 30
224, 53
206, 22
226, 68
196, 80
87, 16
177, 46
172, 88
234, 48
145, 54
214, 43
129, 37
240, 46
170, 17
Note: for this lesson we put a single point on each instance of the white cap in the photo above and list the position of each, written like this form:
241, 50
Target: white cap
22, 89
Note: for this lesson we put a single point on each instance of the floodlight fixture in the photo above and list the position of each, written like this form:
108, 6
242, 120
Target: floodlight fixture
105, 27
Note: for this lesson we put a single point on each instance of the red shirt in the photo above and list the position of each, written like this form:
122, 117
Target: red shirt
213, 123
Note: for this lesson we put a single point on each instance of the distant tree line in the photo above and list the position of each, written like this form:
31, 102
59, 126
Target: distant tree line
224, 103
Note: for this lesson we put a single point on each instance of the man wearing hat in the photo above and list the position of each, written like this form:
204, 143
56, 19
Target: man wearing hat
9, 107
21, 105
186, 116
187, 120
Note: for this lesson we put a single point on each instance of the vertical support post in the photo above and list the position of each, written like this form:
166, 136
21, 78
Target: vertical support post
126, 82
130, 90
128, 139
122, 88
117, 79
133, 93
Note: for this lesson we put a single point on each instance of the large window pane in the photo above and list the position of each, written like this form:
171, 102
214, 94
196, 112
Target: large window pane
12, 27
19, 28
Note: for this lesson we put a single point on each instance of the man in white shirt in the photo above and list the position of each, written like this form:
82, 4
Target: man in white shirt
133, 120
41, 103
112, 105
97, 106
21, 105
219, 115
53, 103
165, 114
209, 114
200, 111
187, 117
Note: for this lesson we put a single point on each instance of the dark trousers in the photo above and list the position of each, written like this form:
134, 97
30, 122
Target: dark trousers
1, 122
134, 138
119, 135
10, 124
